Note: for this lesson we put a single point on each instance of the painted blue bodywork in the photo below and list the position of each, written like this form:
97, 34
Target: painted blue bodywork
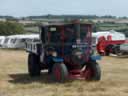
97, 57
57, 59
51, 59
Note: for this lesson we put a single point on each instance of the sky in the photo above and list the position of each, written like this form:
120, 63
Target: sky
20, 8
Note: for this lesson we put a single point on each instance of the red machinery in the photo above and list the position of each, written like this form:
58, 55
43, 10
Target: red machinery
105, 47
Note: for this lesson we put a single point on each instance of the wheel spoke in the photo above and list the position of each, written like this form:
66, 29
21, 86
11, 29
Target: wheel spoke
88, 73
57, 73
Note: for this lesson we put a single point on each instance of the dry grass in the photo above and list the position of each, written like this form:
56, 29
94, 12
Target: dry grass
14, 80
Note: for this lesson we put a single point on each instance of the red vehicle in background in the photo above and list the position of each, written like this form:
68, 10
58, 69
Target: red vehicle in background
108, 42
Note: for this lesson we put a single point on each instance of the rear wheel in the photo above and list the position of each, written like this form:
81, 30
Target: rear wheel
107, 50
102, 53
93, 71
59, 72
107, 53
33, 65
117, 51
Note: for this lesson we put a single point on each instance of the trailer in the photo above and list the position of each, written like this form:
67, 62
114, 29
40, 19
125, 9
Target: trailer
19, 41
6, 42
2, 38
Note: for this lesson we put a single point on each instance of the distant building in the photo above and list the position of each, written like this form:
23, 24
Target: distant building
110, 20
102, 20
122, 21
47, 20
25, 22
3, 20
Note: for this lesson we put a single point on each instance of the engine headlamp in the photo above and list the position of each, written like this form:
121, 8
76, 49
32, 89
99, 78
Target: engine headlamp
54, 53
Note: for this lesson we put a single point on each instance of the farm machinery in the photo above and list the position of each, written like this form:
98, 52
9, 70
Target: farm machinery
65, 49
110, 42
122, 49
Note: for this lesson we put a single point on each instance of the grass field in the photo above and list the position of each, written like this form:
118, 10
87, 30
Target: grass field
14, 80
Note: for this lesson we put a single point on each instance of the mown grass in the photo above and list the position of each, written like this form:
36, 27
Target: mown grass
14, 80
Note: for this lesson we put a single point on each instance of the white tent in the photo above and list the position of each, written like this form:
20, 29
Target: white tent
115, 35
2, 38
18, 41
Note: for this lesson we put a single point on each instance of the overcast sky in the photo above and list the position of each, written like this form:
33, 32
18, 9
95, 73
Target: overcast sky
20, 8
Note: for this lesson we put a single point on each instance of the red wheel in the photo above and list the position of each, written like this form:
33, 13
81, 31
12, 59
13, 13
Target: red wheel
59, 72
92, 71
88, 73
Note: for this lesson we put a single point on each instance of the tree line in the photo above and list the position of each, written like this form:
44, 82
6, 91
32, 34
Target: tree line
10, 28
51, 16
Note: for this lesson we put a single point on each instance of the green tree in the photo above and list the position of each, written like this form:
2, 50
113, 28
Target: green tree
9, 28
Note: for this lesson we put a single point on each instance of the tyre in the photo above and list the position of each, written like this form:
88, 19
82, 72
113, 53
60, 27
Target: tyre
33, 65
117, 51
107, 50
102, 53
107, 53
92, 71
59, 72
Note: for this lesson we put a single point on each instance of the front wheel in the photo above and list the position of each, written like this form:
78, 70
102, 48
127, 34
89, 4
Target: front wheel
33, 65
59, 72
92, 71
